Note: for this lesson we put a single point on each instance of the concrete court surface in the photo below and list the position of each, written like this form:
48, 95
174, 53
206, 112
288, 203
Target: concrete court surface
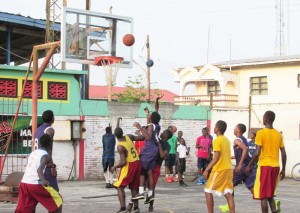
93, 197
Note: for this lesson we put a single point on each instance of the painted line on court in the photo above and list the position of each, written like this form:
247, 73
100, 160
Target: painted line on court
99, 196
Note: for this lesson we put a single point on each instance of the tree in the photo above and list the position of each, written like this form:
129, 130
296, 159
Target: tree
135, 91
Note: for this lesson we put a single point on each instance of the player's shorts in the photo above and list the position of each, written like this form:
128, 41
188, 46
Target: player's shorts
156, 174
31, 194
170, 160
220, 182
148, 155
130, 175
202, 163
266, 182
52, 180
242, 177
181, 168
107, 162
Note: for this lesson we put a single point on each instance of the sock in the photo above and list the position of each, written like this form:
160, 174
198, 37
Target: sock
106, 177
141, 189
150, 192
111, 177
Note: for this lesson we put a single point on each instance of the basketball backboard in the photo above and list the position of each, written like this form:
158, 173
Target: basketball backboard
86, 35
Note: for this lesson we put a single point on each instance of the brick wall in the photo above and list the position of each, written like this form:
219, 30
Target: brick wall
96, 128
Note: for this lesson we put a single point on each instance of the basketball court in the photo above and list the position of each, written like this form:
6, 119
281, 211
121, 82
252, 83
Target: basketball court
92, 196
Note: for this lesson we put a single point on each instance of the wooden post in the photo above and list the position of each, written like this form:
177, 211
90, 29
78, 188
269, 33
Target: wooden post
148, 68
249, 108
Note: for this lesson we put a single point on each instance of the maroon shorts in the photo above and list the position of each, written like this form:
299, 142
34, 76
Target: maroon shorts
156, 174
266, 182
130, 175
32, 194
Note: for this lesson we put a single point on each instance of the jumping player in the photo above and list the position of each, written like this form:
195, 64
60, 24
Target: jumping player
149, 152
46, 128
268, 143
34, 188
220, 178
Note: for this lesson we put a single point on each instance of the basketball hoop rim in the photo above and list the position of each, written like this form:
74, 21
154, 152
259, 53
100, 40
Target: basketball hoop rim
108, 60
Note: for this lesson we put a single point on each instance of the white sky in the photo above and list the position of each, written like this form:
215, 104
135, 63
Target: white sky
178, 31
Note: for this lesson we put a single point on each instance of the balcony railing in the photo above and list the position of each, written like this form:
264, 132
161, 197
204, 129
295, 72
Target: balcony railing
214, 100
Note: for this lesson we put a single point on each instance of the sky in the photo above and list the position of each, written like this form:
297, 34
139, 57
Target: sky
187, 33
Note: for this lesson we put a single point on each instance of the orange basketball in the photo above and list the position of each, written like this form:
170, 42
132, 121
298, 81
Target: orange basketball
174, 129
128, 39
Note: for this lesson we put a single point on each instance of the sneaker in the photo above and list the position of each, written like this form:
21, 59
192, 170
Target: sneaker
138, 197
107, 185
129, 207
136, 210
224, 208
150, 209
200, 182
122, 211
183, 176
277, 204
174, 179
168, 180
183, 184
149, 199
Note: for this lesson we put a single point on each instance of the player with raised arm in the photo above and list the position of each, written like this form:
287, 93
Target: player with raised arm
149, 151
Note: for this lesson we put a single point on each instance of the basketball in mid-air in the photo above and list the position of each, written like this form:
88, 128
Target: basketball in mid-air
149, 63
174, 128
128, 40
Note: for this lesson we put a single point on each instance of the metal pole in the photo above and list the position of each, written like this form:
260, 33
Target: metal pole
109, 69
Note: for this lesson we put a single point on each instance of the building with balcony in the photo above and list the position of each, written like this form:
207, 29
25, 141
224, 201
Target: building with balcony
241, 91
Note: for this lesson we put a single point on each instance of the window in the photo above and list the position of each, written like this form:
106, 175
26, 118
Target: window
259, 85
8, 87
28, 89
298, 80
213, 87
57, 90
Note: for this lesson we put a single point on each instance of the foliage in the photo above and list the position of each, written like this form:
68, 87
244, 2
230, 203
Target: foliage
135, 91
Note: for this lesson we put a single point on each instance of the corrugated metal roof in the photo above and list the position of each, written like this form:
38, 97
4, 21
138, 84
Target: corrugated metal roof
256, 61
19, 35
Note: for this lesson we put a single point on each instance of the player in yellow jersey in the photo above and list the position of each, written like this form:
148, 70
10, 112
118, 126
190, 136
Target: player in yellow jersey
268, 142
130, 168
220, 179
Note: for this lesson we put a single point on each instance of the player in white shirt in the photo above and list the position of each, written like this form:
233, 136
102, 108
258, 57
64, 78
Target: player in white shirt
34, 188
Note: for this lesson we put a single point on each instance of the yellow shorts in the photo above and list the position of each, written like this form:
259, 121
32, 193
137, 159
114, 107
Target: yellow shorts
220, 182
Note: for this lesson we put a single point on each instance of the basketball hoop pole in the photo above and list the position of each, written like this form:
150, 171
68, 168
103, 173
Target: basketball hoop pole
109, 92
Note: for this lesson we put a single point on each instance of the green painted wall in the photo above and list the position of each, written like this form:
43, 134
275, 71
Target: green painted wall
192, 112
73, 106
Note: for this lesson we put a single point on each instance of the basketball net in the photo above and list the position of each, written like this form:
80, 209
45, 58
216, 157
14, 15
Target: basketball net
111, 66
